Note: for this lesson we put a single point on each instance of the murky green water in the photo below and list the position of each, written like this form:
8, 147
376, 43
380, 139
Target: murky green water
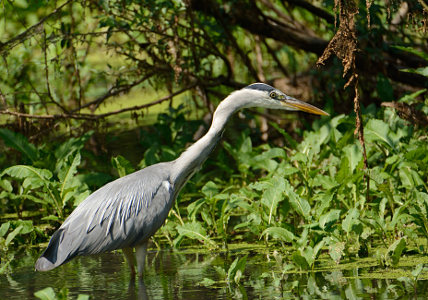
180, 275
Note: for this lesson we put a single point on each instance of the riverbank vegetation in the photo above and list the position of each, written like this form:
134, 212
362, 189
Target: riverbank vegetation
81, 78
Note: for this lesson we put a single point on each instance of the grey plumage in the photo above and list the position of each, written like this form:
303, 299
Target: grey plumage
113, 217
260, 87
125, 213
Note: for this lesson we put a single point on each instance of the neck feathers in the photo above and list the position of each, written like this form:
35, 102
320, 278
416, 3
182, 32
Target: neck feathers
193, 158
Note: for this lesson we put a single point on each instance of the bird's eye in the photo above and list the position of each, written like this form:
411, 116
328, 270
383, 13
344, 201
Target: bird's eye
273, 95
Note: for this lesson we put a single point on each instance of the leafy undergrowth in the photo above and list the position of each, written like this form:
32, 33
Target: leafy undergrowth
306, 200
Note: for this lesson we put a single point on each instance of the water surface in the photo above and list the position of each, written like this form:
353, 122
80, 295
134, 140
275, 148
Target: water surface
185, 274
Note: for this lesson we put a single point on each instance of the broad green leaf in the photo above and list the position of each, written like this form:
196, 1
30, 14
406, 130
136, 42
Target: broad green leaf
4, 228
33, 177
410, 98
327, 182
318, 248
246, 145
78, 197
27, 226
66, 175
329, 218
292, 142
13, 234
299, 204
354, 155
122, 165
83, 297
236, 269
395, 250
409, 177
273, 195
351, 218
412, 50
323, 201
265, 159
195, 231
51, 218
220, 271
300, 260
279, 233
336, 251
418, 270
194, 207
343, 176
72, 145
6, 185
207, 282
20, 143
384, 88
378, 130
46, 294
210, 189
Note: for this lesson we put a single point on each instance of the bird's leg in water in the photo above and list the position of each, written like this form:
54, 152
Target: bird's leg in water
140, 254
130, 258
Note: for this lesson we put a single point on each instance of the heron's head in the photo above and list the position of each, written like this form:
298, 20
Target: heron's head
263, 95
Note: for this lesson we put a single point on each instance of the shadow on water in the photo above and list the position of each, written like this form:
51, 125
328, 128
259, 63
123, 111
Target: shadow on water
193, 275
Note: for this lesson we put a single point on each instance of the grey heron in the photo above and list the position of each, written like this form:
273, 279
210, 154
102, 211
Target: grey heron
125, 213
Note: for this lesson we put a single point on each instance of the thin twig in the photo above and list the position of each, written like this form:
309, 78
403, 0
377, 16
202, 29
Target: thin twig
92, 117
359, 130
113, 91
35, 29
3, 99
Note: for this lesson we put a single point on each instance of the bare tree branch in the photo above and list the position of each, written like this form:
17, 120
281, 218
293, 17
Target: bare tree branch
93, 117
33, 30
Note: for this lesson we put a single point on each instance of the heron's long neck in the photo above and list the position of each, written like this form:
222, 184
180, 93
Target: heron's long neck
195, 155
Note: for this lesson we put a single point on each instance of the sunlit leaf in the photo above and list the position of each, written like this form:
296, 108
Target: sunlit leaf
299, 204
279, 233
210, 189
395, 250
336, 251
4, 228
354, 155
207, 282
13, 234
418, 270
6, 185
378, 130
329, 218
46, 294
273, 195
66, 175
33, 177
236, 269
194, 230
350, 219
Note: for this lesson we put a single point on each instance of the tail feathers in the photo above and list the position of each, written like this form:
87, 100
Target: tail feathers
54, 255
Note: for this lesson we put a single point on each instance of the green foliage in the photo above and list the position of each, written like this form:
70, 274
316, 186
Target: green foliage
313, 198
49, 294
39, 194
230, 275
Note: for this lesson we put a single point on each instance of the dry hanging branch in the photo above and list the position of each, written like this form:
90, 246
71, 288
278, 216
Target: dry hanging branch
344, 46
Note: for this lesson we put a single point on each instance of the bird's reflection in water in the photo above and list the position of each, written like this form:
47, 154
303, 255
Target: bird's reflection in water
139, 293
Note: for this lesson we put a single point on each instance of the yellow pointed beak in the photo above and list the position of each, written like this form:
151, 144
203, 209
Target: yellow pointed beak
294, 104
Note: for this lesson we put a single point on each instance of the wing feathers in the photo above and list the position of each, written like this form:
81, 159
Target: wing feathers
120, 214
